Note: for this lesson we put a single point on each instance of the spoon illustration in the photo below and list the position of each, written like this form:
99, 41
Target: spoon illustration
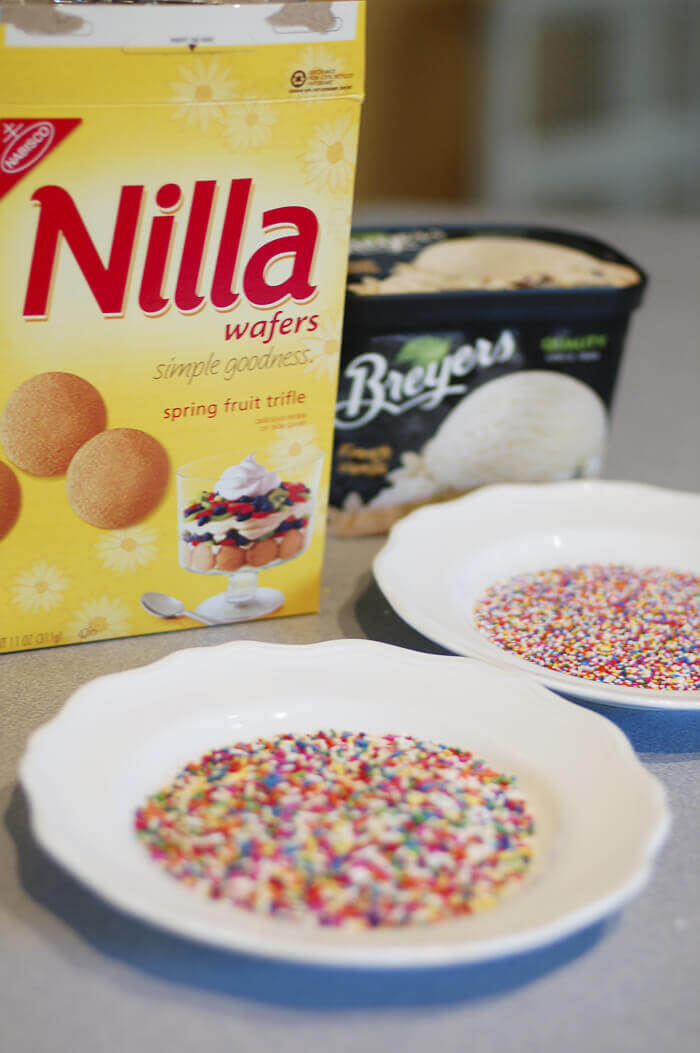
168, 607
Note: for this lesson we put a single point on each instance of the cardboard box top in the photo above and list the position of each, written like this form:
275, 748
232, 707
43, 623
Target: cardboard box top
108, 41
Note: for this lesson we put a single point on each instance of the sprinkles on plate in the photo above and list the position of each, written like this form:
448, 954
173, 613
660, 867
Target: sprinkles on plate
342, 828
607, 622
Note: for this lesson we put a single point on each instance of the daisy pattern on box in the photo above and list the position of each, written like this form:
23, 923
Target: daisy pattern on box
329, 158
318, 63
40, 588
294, 444
100, 619
321, 506
248, 125
202, 90
125, 550
319, 57
325, 349
339, 224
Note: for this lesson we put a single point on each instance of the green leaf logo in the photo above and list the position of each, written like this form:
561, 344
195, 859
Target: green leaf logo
422, 350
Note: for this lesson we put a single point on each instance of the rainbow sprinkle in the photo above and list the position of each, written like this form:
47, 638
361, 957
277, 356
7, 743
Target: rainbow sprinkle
637, 627
343, 828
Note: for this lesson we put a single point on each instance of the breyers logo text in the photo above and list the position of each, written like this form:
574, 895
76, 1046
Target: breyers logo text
295, 226
374, 388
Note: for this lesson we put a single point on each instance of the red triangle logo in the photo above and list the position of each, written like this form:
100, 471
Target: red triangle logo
25, 143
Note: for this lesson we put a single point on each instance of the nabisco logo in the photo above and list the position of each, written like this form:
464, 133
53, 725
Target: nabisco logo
26, 145
295, 230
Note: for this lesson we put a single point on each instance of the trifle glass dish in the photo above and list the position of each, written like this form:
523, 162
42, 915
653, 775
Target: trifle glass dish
237, 516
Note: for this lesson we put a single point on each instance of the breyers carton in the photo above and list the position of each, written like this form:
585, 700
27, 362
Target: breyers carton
175, 204
474, 356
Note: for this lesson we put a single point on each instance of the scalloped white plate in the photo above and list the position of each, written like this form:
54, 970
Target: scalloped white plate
600, 816
439, 560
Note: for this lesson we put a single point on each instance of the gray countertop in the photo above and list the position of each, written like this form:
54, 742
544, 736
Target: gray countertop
76, 975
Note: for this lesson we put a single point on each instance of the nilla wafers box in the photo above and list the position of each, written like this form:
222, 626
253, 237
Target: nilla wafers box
175, 206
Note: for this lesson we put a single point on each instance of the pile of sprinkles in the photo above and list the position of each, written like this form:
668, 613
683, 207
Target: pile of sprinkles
342, 828
636, 627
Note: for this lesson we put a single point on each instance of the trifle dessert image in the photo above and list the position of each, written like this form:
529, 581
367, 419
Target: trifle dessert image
237, 517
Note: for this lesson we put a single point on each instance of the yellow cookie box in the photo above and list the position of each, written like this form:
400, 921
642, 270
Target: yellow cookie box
175, 207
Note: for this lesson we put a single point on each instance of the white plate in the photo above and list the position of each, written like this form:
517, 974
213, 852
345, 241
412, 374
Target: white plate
600, 816
440, 560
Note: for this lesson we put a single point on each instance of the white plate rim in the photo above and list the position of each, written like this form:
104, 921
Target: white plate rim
402, 540
40, 786
39, 783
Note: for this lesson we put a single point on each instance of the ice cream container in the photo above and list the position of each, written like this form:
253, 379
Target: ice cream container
175, 202
473, 355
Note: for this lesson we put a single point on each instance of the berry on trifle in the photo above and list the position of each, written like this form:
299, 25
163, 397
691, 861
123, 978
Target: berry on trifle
251, 517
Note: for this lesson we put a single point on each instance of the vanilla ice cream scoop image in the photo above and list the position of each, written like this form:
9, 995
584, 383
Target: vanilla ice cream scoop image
529, 426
